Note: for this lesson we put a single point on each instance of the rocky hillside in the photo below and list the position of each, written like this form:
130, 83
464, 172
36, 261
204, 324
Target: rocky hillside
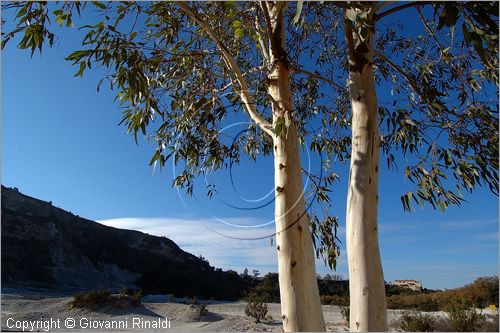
44, 246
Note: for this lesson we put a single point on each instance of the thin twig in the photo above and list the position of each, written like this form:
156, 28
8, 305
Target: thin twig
438, 43
233, 66
398, 8
406, 76
317, 76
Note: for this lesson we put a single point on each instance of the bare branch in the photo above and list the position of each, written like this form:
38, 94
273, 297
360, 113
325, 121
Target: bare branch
253, 70
317, 76
262, 42
269, 27
441, 49
245, 96
398, 69
280, 5
406, 76
398, 8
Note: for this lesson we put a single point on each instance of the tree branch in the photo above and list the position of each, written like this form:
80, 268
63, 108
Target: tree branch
317, 76
233, 66
269, 26
441, 49
253, 70
398, 8
407, 77
262, 42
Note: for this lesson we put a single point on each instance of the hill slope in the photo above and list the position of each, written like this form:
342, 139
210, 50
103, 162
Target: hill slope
45, 246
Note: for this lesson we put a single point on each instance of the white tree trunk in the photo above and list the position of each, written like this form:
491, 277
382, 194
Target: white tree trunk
368, 310
300, 303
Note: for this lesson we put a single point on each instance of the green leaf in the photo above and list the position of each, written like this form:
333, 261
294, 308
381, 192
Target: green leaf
59, 20
82, 68
99, 4
156, 156
238, 33
278, 126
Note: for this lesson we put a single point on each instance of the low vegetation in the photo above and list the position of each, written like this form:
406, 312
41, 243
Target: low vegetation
91, 299
480, 294
464, 319
459, 319
256, 308
98, 298
345, 312
417, 322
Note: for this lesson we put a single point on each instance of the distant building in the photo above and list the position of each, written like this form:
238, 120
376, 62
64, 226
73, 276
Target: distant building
410, 284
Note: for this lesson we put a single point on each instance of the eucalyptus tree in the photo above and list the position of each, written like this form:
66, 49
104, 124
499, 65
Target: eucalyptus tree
443, 120
181, 69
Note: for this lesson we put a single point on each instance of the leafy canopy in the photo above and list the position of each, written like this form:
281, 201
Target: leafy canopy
175, 86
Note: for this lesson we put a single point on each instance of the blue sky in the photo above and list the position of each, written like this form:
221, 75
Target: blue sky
61, 142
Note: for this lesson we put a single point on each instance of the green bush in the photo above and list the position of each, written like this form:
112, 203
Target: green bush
465, 320
256, 308
417, 322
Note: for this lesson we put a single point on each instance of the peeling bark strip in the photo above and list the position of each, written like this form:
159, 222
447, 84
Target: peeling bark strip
366, 280
300, 302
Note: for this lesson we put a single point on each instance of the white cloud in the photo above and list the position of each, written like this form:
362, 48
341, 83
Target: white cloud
231, 247
222, 245
466, 224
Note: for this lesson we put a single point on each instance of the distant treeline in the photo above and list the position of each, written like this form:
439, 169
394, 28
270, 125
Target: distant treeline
481, 293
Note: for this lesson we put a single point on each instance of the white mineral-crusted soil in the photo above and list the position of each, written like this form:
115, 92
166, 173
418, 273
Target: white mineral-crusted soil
32, 306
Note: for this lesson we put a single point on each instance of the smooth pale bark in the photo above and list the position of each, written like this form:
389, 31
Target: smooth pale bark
300, 303
368, 310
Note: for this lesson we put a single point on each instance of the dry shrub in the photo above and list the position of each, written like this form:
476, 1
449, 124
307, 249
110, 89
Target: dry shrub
345, 312
91, 299
417, 322
129, 295
490, 326
97, 298
256, 308
191, 301
335, 300
464, 319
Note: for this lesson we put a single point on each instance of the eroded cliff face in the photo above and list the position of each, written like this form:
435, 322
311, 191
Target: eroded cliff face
45, 246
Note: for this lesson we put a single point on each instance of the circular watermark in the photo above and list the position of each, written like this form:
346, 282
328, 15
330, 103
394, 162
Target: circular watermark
240, 129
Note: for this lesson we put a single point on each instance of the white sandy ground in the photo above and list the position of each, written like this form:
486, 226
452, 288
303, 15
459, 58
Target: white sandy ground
38, 308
